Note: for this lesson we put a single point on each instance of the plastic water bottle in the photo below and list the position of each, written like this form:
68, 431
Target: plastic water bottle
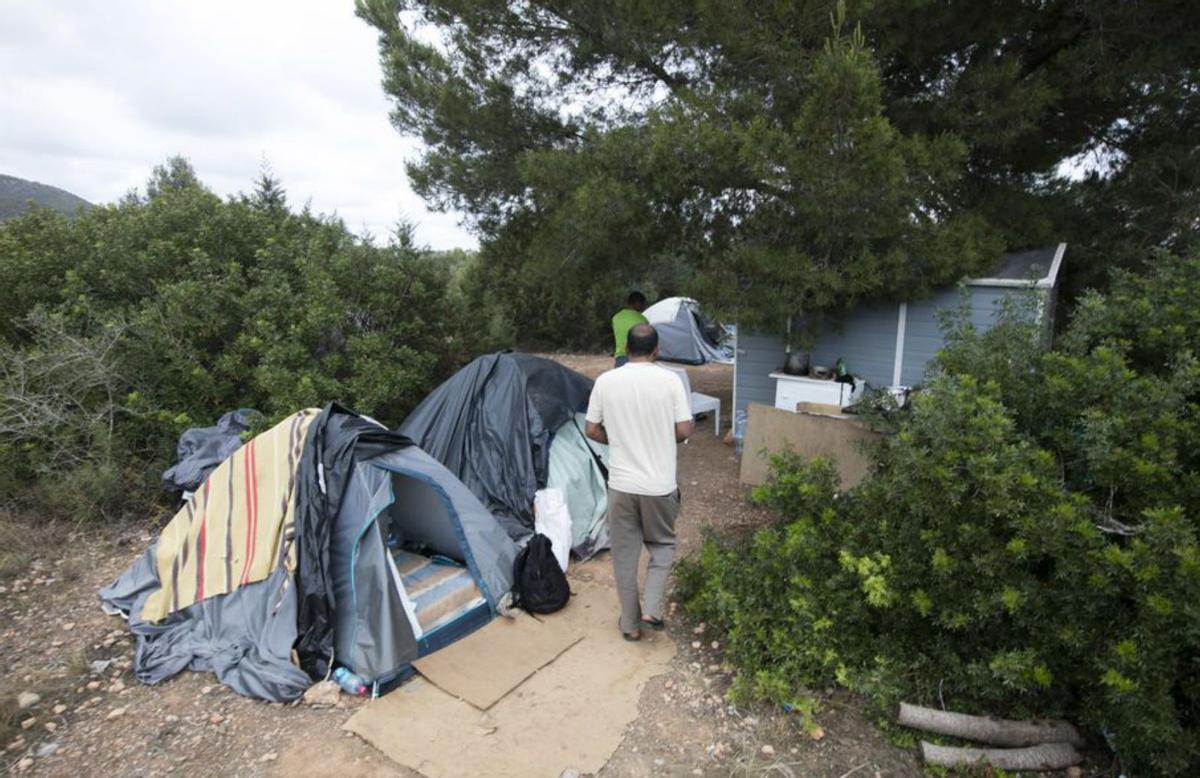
739, 431
350, 683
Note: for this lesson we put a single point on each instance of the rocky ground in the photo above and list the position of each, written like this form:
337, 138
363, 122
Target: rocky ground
69, 704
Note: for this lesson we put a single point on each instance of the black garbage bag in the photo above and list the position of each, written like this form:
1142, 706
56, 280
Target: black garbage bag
539, 584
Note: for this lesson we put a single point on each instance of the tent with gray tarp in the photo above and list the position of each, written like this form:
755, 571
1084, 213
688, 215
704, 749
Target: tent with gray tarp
509, 424
325, 540
685, 335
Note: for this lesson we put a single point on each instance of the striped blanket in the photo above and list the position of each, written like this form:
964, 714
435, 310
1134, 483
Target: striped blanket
238, 527
439, 592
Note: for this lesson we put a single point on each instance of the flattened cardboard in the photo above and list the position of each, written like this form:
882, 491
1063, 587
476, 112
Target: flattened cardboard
570, 713
488, 664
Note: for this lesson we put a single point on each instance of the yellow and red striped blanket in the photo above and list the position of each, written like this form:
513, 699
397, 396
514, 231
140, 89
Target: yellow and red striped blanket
238, 527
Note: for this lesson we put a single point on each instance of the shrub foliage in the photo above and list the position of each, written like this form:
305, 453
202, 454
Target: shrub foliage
131, 322
1027, 543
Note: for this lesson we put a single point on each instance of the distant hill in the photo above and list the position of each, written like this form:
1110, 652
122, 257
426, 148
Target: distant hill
15, 194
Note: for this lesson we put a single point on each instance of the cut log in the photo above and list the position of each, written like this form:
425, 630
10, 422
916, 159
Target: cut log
986, 729
1047, 756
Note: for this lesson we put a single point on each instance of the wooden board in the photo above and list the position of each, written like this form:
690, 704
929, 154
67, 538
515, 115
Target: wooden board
839, 437
828, 410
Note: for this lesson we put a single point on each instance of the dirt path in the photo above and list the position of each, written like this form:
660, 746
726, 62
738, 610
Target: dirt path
92, 718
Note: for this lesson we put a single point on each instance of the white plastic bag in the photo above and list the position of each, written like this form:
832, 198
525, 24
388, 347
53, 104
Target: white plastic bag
552, 519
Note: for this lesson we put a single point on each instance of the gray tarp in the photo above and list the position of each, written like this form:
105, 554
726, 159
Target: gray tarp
201, 449
244, 637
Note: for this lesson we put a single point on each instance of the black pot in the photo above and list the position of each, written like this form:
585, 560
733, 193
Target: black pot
796, 363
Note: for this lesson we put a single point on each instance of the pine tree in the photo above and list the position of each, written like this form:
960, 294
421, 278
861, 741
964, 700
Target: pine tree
269, 194
755, 148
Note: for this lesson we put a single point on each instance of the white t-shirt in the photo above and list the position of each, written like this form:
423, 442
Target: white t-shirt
639, 404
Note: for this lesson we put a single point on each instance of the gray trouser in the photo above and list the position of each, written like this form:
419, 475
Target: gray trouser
634, 521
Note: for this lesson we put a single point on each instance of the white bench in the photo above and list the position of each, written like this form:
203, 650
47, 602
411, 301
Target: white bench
701, 403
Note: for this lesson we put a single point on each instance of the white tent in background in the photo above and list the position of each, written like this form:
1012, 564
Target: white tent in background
684, 335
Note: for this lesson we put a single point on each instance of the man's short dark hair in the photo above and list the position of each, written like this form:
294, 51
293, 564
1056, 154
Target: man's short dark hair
636, 300
642, 341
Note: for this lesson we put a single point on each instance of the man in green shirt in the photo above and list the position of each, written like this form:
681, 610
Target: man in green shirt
626, 319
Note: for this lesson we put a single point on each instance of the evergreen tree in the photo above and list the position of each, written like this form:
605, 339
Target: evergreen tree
759, 154
269, 194
175, 175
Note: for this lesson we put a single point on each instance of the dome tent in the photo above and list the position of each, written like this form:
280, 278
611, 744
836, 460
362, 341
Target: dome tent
325, 538
509, 424
685, 335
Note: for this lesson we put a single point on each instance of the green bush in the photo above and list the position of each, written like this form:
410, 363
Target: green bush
131, 322
1027, 543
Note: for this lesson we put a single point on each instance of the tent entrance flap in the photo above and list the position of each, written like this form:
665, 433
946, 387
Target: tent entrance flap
427, 556
418, 567
420, 520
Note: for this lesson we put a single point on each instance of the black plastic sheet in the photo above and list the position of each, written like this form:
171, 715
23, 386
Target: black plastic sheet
336, 440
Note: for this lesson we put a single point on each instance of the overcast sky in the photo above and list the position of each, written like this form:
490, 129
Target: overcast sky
94, 94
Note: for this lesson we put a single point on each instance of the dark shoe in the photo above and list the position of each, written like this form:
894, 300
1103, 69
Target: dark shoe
657, 625
630, 636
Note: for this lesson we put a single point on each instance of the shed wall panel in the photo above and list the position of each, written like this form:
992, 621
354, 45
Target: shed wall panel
757, 357
924, 336
866, 339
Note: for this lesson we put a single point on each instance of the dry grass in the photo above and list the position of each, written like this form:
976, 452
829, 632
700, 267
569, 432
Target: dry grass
71, 570
23, 538
17, 546
78, 664
10, 716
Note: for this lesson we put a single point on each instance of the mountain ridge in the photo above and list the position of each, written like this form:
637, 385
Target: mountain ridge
16, 194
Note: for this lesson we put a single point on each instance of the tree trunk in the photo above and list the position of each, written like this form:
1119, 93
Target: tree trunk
1048, 756
985, 729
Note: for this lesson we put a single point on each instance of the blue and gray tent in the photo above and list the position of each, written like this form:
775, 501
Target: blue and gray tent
376, 555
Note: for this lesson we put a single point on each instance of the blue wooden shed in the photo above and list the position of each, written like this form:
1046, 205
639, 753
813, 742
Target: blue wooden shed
891, 344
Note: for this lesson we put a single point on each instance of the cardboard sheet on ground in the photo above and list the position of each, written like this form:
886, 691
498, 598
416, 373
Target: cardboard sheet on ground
490, 663
570, 713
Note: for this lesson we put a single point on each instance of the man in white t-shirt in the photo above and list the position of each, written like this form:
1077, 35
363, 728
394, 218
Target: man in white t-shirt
641, 411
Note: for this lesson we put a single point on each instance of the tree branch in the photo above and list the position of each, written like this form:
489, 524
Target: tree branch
634, 57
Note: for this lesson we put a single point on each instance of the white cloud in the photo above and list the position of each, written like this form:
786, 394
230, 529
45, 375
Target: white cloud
94, 95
